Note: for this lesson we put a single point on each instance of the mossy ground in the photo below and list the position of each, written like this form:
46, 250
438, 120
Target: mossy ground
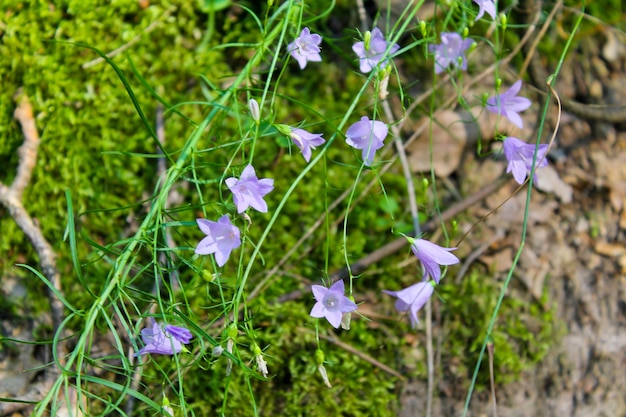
95, 147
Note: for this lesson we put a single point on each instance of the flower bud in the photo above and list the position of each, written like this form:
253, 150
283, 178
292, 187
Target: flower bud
255, 113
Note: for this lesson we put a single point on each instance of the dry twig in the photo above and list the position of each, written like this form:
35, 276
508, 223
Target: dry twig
11, 198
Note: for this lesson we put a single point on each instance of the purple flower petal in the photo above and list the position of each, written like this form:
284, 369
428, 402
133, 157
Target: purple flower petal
485, 6
450, 51
432, 256
331, 303
306, 141
222, 237
249, 191
367, 135
520, 157
371, 56
305, 48
412, 298
164, 340
509, 104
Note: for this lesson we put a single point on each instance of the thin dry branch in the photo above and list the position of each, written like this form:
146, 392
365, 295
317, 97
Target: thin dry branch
11, 198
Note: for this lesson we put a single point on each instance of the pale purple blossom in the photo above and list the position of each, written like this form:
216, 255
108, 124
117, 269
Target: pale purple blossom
372, 49
520, 156
221, 238
508, 104
306, 141
412, 299
367, 135
485, 6
451, 51
249, 191
305, 48
331, 303
164, 340
432, 257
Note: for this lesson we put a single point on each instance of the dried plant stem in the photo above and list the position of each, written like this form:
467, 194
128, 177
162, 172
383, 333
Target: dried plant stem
11, 199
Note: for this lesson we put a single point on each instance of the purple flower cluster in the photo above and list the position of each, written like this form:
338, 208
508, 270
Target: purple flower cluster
332, 304
367, 135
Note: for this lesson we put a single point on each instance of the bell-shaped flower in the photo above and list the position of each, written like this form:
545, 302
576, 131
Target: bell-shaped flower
520, 156
451, 51
509, 104
221, 238
305, 48
305, 141
249, 191
432, 257
413, 298
331, 303
367, 135
164, 340
372, 50
485, 6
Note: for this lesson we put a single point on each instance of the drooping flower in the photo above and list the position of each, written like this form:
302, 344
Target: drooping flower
520, 156
249, 191
372, 50
485, 6
413, 298
260, 361
306, 141
367, 135
331, 303
451, 51
432, 257
305, 48
164, 340
508, 104
221, 238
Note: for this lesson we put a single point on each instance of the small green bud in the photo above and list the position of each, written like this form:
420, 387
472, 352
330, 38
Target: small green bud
367, 38
498, 84
283, 129
465, 32
232, 331
319, 357
425, 183
208, 276
503, 20
423, 28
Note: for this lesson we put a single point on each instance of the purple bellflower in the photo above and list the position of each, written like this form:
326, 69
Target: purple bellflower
451, 51
509, 104
371, 50
305, 48
221, 238
331, 303
164, 340
485, 6
432, 256
413, 298
249, 191
367, 135
520, 156
306, 141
